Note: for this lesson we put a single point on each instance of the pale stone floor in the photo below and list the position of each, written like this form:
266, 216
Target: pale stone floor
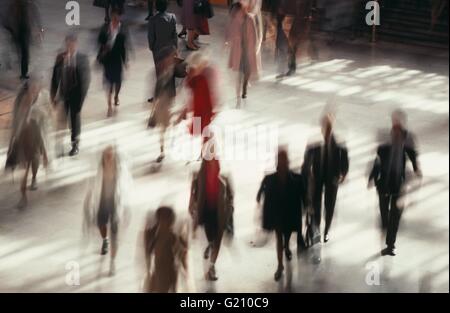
364, 83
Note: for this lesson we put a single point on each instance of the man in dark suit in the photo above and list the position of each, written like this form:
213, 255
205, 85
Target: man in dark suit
325, 166
69, 84
162, 32
388, 174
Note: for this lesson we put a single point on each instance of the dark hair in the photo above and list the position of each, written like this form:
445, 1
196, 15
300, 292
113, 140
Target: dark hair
161, 5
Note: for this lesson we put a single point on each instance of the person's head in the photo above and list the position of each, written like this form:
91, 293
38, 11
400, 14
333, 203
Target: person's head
109, 158
161, 5
327, 125
282, 161
115, 17
71, 43
398, 118
165, 217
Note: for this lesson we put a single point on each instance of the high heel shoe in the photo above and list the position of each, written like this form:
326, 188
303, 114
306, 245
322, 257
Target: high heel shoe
182, 34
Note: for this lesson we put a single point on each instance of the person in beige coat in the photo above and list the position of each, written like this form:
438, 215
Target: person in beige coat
244, 39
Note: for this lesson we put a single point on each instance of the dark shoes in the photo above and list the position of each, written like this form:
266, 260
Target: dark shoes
74, 151
211, 274
105, 247
288, 254
206, 253
326, 238
24, 77
388, 251
279, 273
182, 34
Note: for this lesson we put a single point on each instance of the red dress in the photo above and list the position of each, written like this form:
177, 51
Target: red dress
202, 103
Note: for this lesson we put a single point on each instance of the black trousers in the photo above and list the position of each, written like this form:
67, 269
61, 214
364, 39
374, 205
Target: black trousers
391, 213
330, 192
75, 122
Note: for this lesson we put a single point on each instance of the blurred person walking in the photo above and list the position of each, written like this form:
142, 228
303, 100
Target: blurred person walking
284, 194
69, 86
194, 17
389, 175
22, 20
162, 34
106, 205
167, 250
113, 55
212, 206
325, 166
172, 67
31, 124
244, 38
201, 81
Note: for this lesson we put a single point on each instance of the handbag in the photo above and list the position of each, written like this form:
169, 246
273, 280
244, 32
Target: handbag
203, 8
100, 3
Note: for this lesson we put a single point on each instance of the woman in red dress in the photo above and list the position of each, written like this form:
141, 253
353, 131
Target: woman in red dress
200, 81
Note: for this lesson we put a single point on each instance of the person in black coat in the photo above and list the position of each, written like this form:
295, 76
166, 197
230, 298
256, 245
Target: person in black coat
113, 55
388, 174
325, 166
284, 196
70, 83
22, 21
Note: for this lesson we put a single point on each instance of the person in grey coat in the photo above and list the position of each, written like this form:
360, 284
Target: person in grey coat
162, 33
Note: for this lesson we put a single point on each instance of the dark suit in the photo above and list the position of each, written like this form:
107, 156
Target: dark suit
388, 173
70, 85
162, 33
283, 204
323, 168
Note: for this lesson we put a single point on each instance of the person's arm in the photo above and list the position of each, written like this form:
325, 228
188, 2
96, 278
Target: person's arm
54, 84
262, 189
375, 172
344, 163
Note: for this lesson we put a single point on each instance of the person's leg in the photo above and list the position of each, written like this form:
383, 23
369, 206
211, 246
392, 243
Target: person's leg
330, 203
395, 214
114, 245
75, 124
317, 205
287, 250
109, 93
161, 144
190, 41
280, 247
23, 187
34, 170
117, 87
384, 210
246, 78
